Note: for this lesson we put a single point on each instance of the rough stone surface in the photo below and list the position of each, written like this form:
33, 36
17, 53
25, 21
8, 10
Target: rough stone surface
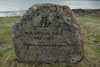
48, 33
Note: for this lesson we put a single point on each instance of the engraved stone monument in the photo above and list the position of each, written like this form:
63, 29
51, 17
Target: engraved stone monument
48, 33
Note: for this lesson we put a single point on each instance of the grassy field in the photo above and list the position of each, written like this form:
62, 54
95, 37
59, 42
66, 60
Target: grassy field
90, 27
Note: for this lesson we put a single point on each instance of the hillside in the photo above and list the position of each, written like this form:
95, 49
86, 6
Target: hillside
90, 28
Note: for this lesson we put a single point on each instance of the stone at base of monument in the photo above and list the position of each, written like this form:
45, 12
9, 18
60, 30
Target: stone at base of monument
48, 33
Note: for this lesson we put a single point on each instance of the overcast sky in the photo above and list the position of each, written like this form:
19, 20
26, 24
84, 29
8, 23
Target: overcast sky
14, 5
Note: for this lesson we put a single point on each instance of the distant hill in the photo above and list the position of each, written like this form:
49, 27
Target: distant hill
11, 13
78, 12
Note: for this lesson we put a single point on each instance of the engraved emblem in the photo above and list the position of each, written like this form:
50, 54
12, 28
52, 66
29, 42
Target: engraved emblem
44, 22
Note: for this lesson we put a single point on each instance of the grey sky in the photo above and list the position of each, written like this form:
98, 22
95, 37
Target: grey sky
14, 5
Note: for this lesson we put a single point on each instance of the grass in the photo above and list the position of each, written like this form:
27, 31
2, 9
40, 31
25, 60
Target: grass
90, 28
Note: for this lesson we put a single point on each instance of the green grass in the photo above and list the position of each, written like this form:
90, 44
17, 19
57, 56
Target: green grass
90, 28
